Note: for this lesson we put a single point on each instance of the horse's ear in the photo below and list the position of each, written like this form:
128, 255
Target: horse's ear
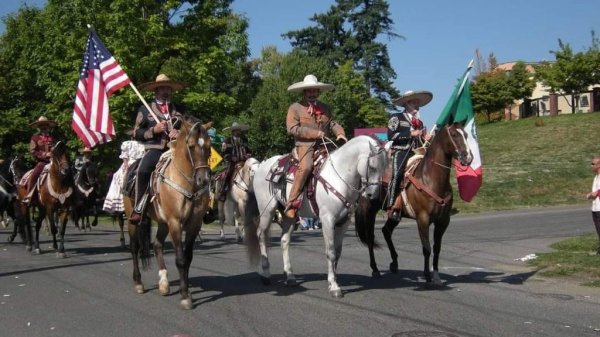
207, 125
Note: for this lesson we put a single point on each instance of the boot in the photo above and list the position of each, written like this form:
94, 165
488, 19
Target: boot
139, 208
396, 209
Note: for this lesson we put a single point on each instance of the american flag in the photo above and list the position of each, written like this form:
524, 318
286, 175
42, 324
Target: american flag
100, 76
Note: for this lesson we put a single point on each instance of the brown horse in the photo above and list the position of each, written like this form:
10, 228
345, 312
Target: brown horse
429, 196
53, 197
180, 185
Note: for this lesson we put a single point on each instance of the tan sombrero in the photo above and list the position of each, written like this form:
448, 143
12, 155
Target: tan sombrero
423, 96
236, 126
85, 150
310, 82
162, 80
43, 121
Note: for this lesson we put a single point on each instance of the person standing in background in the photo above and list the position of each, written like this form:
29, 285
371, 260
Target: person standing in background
594, 195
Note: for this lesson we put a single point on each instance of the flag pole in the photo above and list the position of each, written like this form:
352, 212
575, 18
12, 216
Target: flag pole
154, 116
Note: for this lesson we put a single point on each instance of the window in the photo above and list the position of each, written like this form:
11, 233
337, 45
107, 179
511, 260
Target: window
584, 101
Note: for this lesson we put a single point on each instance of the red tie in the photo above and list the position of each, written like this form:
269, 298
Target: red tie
164, 108
313, 109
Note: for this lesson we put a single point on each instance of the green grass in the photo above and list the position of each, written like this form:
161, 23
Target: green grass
574, 258
537, 162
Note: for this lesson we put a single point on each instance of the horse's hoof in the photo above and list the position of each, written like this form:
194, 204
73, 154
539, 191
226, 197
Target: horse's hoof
336, 293
240, 239
394, 267
290, 282
187, 304
28, 248
10, 239
139, 288
37, 251
376, 274
95, 223
61, 255
265, 280
164, 289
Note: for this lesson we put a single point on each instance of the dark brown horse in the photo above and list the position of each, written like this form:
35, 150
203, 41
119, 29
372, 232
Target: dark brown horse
52, 198
10, 174
181, 197
429, 196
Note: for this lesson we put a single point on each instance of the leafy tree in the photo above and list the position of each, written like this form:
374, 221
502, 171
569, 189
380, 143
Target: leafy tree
571, 73
201, 43
349, 30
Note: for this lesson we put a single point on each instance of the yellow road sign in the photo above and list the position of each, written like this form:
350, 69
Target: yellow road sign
215, 158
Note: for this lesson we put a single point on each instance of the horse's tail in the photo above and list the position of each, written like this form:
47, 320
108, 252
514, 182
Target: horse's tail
144, 232
364, 221
251, 221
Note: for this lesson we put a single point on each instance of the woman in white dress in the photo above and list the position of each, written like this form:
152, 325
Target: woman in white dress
131, 151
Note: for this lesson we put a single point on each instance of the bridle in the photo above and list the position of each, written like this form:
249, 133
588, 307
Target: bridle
456, 151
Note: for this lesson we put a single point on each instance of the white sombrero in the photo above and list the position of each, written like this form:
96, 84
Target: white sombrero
236, 126
310, 82
43, 121
423, 96
162, 80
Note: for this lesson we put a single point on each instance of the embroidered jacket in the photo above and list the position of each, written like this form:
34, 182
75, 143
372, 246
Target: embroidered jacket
400, 126
39, 145
304, 125
144, 122
235, 148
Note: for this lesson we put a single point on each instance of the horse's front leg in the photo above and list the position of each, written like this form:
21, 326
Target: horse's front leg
63, 218
423, 228
438, 232
287, 227
329, 234
163, 279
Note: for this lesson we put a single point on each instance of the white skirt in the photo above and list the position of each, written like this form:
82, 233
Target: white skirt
113, 203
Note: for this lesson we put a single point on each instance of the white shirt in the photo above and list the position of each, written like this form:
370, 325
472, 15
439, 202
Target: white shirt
595, 188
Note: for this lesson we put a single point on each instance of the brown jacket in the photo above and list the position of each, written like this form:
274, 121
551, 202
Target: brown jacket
144, 123
304, 126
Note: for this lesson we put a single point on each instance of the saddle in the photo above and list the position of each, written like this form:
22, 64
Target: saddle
286, 168
24, 182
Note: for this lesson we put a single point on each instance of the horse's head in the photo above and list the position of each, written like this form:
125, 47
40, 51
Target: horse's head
60, 158
88, 174
457, 145
17, 168
195, 139
371, 167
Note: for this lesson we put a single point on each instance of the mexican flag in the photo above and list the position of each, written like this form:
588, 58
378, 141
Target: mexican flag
459, 109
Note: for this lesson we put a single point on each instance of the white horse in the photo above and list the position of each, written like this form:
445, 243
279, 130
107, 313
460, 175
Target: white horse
355, 169
231, 211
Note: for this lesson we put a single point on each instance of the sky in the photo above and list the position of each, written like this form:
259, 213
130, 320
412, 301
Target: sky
440, 36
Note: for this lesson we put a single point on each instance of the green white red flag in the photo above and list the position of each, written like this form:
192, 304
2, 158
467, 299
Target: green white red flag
459, 109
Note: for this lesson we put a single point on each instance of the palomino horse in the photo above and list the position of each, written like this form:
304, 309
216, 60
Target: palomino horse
55, 190
231, 211
86, 193
352, 170
181, 196
429, 196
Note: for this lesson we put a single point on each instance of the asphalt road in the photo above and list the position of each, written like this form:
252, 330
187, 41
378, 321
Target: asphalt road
487, 292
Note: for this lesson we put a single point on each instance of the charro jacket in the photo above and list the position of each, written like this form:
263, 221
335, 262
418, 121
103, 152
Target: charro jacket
144, 122
304, 126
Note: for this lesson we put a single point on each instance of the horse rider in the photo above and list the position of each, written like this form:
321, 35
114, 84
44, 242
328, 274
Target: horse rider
40, 148
153, 135
308, 121
86, 156
235, 150
407, 132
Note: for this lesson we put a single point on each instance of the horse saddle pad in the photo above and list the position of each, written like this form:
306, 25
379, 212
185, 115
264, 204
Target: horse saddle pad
129, 186
288, 164
27, 176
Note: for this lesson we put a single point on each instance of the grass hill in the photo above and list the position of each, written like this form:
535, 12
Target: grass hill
534, 162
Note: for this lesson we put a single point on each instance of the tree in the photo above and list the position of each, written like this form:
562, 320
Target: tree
349, 30
571, 73
200, 43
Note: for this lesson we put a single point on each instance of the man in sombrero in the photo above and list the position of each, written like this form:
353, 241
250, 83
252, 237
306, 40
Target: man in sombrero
308, 121
153, 135
40, 148
235, 150
86, 156
406, 131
